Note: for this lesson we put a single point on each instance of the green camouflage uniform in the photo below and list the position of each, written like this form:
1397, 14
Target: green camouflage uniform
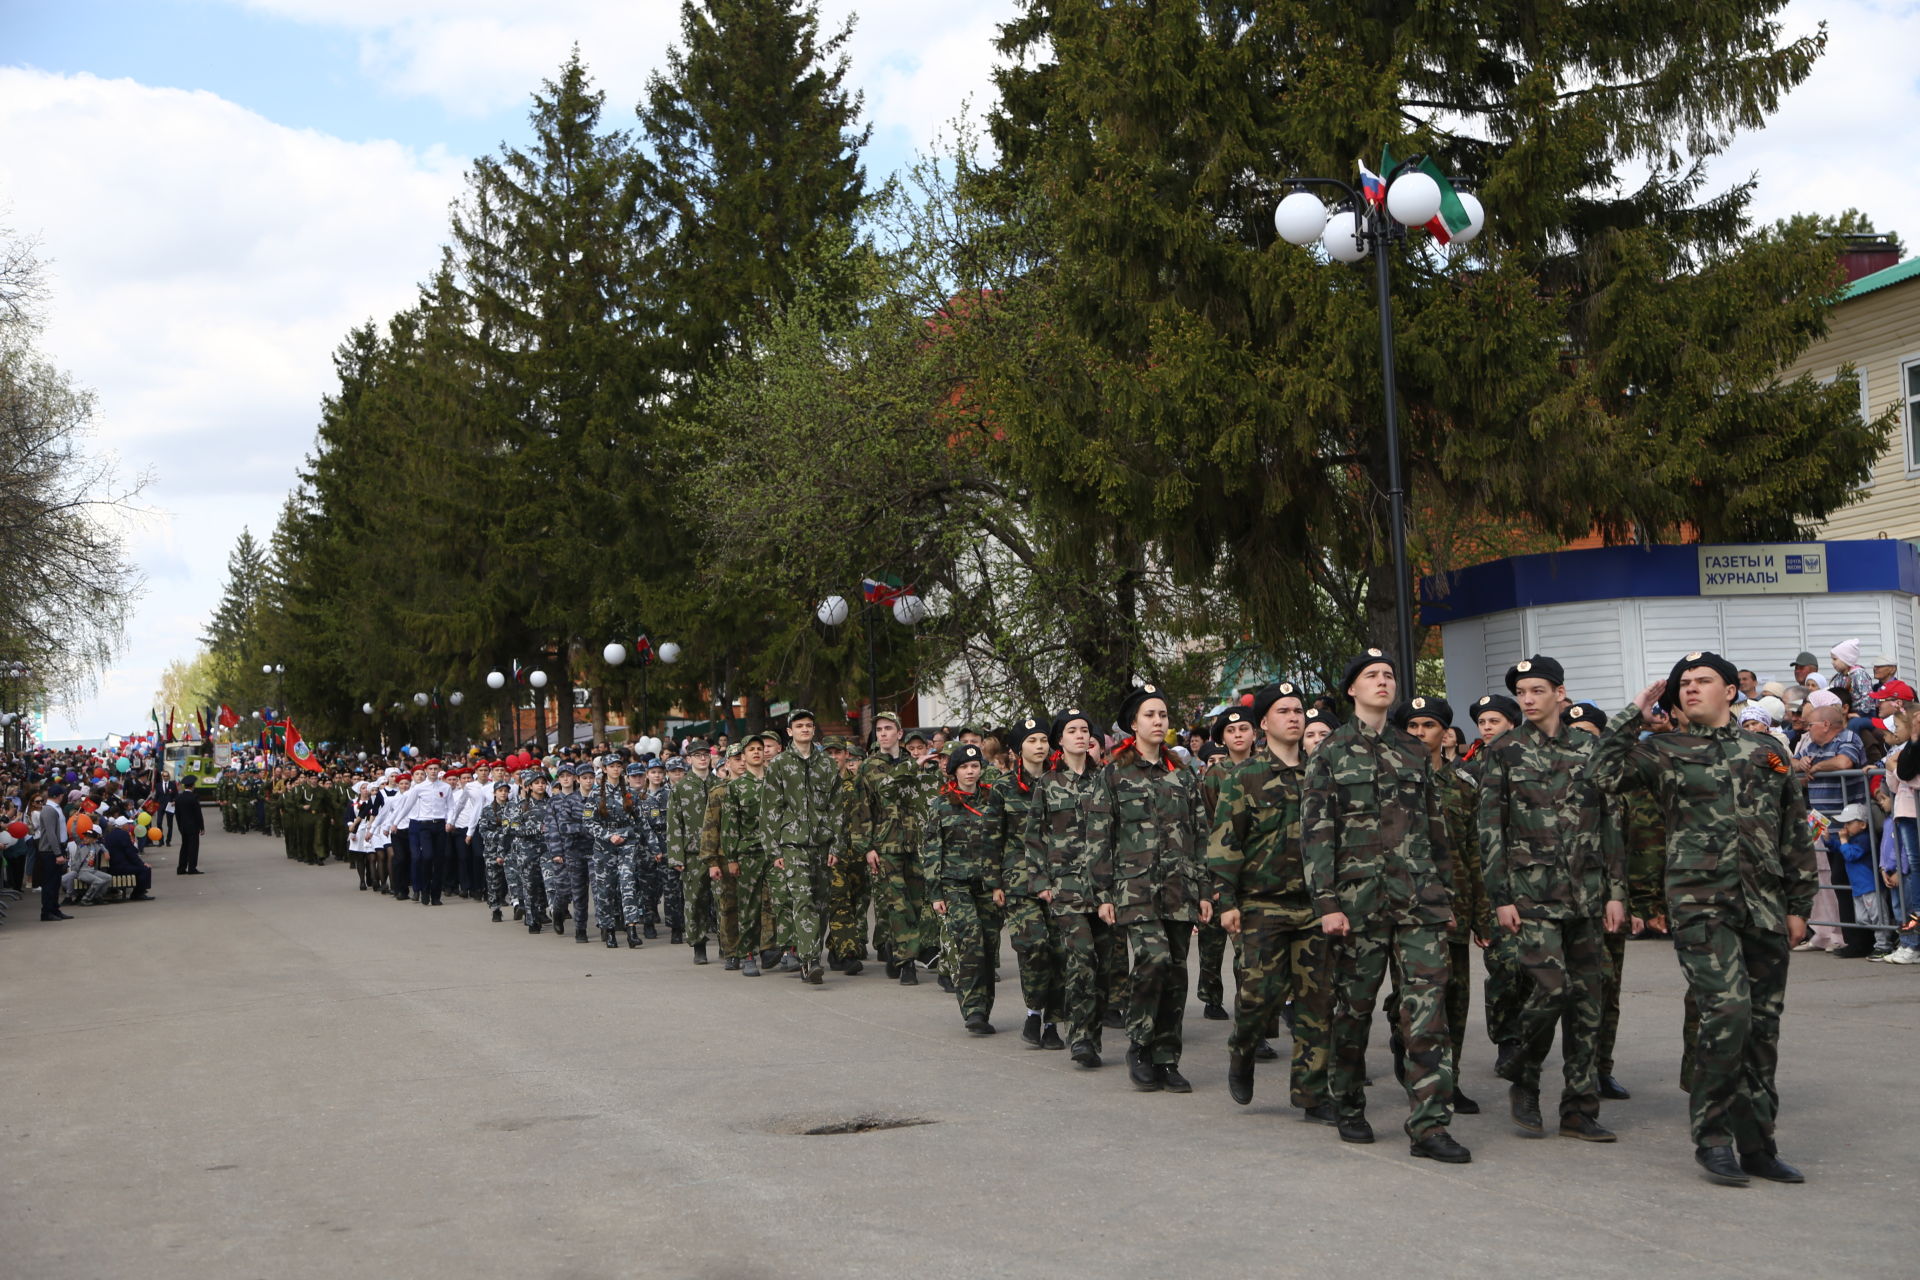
733, 833
1646, 841
1209, 986
1255, 859
849, 888
963, 850
1036, 941
801, 820
1375, 846
1550, 854
1460, 801
1069, 843
1739, 861
686, 814
885, 817
1158, 837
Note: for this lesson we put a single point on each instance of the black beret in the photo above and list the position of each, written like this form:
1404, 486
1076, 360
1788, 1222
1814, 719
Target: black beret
1232, 715
1539, 666
1430, 708
1670, 697
1587, 713
1140, 695
1065, 718
1360, 662
1501, 703
1263, 701
1320, 715
1020, 730
965, 753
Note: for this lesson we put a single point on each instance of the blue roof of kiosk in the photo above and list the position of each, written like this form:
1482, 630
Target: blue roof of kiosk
1631, 573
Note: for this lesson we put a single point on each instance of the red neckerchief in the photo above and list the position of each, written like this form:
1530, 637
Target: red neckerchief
1020, 775
955, 793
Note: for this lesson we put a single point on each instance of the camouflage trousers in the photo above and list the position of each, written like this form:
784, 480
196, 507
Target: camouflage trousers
1283, 960
899, 903
1616, 949
1086, 943
1689, 1038
848, 889
523, 880
755, 905
606, 878
1506, 988
1418, 955
1210, 985
1459, 999
697, 891
1157, 986
499, 874
663, 893
805, 881
973, 928
1737, 976
579, 854
1565, 959
1036, 945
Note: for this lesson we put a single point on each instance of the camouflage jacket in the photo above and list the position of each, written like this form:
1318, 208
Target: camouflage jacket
1545, 845
1372, 831
490, 832
886, 806
569, 812
1068, 833
1460, 803
1023, 869
1254, 851
686, 815
1158, 837
802, 800
618, 820
527, 826
1644, 832
966, 837
1738, 845
734, 830
650, 820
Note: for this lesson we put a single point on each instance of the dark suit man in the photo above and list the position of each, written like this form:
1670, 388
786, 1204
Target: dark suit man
188, 823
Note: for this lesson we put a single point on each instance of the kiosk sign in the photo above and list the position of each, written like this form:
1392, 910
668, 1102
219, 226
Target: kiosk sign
1763, 568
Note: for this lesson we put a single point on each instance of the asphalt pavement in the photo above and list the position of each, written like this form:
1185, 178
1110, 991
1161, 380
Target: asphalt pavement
265, 1072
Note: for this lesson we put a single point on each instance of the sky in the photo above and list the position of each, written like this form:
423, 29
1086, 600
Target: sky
222, 188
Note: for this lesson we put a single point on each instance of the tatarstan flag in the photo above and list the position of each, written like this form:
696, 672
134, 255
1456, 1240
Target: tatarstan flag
1452, 217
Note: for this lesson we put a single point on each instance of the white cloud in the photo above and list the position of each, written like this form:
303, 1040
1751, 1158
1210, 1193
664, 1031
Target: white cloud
204, 263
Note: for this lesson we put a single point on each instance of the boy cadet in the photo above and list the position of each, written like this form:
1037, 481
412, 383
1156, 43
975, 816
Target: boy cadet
686, 812
883, 830
1259, 879
1556, 878
802, 817
1378, 870
1740, 880
1634, 837
1235, 730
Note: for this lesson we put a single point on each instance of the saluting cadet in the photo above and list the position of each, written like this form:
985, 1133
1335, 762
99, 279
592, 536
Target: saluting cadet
1740, 880
1377, 866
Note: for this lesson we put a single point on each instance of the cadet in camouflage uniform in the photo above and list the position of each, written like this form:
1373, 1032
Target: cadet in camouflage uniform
1375, 847
723, 875
608, 818
686, 811
1069, 832
1740, 880
1587, 718
1259, 880
1557, 881
1235, 730
1036, 940
1158, 837
664, 895
1429, 719
802, 816
736, 835
491, 834
964, 848
1507, 983
562, 815
527, 837
566, 821
883, 830
849, 880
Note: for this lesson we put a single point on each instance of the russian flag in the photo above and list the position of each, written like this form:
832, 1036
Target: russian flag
1372, 186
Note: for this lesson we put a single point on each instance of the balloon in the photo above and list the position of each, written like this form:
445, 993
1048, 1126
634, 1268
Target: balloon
99, 771
80, 825
16, 829
155, 834
143, 820
122, 765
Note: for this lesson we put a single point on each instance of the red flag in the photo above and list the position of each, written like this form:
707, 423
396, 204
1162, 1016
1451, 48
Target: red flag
170, 736
298, 749
228, 720
200, 718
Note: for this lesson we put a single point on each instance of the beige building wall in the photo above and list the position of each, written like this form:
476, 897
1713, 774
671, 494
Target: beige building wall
1878, 332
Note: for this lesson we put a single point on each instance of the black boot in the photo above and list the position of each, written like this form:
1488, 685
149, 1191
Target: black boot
651, 932
1524, 1104
496, 915
580, 933
700, 953
1722, 1166
1264, 1052
1085, 1056
1030, 1030
1439, 1145
1141, 1072
908, 977
1463, 1105
679, 938
1240, 1077
1768, 1164
1050, 1038
606, 936
633, 937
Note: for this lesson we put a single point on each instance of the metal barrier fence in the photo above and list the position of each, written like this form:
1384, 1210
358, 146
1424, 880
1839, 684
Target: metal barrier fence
1896, 902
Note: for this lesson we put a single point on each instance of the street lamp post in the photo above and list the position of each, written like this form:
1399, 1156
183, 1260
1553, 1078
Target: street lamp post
275, 670
908, 609
615, 654
1373, 221
509, 723
16, 672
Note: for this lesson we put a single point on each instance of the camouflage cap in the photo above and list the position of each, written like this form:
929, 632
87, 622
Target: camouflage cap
733, 751
889, 717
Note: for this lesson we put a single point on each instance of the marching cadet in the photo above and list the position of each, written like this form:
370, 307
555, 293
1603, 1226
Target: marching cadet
527, 822
883, 830
739, 835
1507, 983
489, 833
964, 849
692, 780
1259, 878
1589, 719
1069, 832
1156, 833
1740, 879
1429, 720
610, 866
662, 894
1234, 731
1024, 874
574, 843
722, 874
1557, 882
801, 816
1375, 848
849, 883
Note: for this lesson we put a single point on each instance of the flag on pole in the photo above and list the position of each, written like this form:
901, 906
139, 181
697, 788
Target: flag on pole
299, 751
1452, 218
883, 590
228, 720
1372, 187
169, 724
